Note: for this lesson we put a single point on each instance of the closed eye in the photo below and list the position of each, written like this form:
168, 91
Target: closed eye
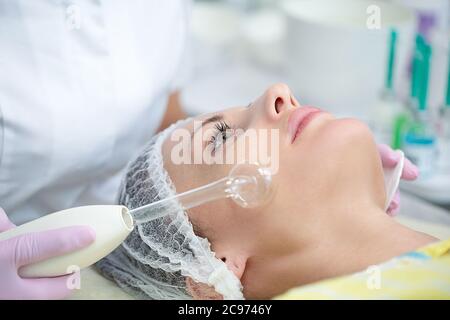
221, 134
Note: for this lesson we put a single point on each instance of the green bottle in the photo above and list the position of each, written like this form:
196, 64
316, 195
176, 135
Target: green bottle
420, 142
408, 111
387, 105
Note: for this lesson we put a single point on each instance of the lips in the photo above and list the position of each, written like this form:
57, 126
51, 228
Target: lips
299, 120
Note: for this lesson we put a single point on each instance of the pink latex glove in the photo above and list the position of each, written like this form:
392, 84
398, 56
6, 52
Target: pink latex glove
33, 247
389, 158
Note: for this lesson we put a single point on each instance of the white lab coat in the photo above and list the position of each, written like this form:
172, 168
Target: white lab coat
83, 85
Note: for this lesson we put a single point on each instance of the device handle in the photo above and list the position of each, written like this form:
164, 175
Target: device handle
112, 224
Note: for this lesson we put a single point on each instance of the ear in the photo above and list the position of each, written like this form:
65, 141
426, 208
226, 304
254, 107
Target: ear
235, 263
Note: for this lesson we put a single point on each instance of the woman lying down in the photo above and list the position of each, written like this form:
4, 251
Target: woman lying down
324, 232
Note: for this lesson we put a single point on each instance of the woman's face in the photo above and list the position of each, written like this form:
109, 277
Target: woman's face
316, 159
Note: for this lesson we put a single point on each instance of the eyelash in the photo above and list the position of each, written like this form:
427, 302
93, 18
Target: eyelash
221, 130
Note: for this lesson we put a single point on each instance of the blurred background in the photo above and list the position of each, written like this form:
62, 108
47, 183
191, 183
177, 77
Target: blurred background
385, 62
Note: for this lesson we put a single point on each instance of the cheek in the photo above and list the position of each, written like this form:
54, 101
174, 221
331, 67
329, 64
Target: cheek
324, 156
347, 139
223, 222
187, 176
335, 140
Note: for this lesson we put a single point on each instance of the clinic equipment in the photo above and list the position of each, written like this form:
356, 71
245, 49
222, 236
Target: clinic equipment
420, 137
444, 129
444, 140
325, 38
387, 106
248, 185
405, 117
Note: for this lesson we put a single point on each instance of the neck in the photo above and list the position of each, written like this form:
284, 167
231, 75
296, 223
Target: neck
341, 241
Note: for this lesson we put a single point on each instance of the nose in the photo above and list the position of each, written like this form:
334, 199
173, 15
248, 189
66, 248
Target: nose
278, 99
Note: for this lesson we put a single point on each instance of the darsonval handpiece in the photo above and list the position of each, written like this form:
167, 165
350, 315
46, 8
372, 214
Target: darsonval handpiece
249, 185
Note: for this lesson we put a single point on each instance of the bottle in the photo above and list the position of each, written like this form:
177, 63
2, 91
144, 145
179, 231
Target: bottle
420, 144
408, 109
444, 131
387, 106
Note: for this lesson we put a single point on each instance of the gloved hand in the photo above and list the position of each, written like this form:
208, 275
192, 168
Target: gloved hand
33, 247
390, 158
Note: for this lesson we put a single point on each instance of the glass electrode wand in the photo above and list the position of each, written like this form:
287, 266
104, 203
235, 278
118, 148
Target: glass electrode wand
249, 185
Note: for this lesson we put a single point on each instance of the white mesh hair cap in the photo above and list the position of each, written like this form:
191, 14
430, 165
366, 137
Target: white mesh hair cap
157, 257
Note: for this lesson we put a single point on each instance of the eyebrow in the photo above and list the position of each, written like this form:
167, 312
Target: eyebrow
214, 118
